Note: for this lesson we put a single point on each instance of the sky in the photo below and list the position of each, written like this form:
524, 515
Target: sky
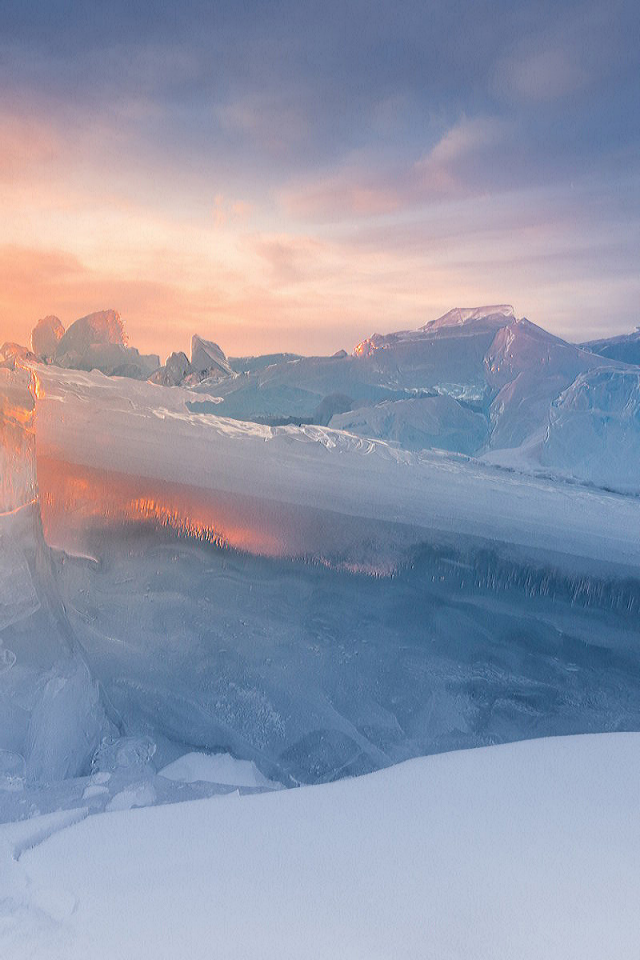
296, 175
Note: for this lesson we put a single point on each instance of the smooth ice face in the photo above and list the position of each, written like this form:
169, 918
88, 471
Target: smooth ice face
315, 603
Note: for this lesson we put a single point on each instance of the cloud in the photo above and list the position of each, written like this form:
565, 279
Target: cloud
462, 163
26, 142
566, 55
289, 175
548, 74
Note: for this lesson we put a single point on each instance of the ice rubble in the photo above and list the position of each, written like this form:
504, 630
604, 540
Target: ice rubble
45, 338
476, 380
94, 342
315, 603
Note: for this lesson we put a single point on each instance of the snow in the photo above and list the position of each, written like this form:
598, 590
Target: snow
215, 768
528, 850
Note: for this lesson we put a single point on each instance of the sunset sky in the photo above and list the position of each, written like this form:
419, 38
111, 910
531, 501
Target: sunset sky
298, 175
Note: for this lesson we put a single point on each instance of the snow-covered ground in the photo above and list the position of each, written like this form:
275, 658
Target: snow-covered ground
518, 852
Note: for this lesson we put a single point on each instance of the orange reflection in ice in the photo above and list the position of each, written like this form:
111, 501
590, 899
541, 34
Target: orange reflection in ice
76, 500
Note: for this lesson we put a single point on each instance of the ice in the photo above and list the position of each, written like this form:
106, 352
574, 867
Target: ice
50, 711
10, 353
307, 600
123, 753
495, 315
594, 430
174, 371
45, 338
208, 359
208, 363
101, 328
12, 771
141, 795
316, 602
66, 725
437, 421
17, 441
98, 342
625, 348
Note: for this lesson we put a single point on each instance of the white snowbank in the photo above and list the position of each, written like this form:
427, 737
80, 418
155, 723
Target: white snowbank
517, 852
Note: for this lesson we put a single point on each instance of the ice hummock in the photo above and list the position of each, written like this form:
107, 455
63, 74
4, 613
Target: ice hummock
356, 605
45, 338
313, 601
98, 342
